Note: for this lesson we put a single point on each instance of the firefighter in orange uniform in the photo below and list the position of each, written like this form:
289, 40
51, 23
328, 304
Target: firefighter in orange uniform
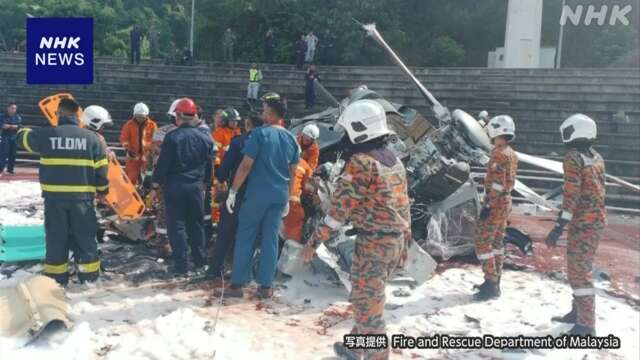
136, 138
308, 141
294, 221
498, 184
222, 136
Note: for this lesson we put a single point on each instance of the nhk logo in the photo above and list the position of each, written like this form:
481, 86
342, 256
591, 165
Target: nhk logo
59, 50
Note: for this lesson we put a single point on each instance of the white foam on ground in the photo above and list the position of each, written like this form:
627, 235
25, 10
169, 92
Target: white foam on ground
121, 321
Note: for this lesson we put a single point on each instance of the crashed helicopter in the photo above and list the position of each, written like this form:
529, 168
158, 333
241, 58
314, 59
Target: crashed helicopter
438, 156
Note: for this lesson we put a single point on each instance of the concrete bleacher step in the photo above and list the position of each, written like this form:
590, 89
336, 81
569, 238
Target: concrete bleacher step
539, 99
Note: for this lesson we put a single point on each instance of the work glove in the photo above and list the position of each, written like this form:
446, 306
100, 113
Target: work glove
286, 210
231, 201
485, 212
554, 235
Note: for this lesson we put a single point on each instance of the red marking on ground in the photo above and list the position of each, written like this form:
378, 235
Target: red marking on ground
29, 174
618, 253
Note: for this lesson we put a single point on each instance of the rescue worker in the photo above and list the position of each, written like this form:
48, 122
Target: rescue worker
271, 156
10, 123
293, 223
371, 195
583, 209
498, 184
253, 89
96, 118
161, 239
73, 168
229, 221
308, 140
222, 137
135, 138
181, 172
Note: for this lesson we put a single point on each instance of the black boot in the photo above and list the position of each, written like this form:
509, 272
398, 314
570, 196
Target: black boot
343, 352
582, 330
488, 290
568, 318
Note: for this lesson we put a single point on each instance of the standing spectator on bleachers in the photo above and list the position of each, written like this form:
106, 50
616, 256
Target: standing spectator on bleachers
309, 89
154, 42
327, 47
269, 46
312, 41
135, 41
255, 76
301, 51
228, 40
9, 125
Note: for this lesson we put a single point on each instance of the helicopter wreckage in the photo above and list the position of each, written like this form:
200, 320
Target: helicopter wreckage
438, 156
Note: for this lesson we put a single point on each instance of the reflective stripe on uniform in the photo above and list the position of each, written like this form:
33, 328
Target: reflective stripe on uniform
70, 188
565, 215
498, 251
294, 198
102, 188
161, 231
56, 269
73, 162
207, 217
25, 141
89, 267
332, 223
497, 187
485, 256
584, 292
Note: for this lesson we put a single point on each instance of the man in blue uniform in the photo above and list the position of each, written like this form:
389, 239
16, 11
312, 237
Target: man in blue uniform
271, 156
10, 123
185, 155
73, 168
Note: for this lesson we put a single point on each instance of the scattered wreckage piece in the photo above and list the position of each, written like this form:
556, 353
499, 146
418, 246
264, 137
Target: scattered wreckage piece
32, 306
22, 243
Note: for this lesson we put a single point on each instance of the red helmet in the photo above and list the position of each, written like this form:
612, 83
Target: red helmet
186, 106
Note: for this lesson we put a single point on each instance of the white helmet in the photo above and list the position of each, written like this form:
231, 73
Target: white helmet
501, 125
483, 115
141, 109
364, 120
311, 131
578, 127
172, 108
96, 117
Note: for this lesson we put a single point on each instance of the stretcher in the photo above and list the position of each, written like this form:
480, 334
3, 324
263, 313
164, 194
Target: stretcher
49, 106
22, 243
122, 196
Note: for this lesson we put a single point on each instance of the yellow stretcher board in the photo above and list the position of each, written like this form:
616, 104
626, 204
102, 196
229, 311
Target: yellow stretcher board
49, 106
122, 197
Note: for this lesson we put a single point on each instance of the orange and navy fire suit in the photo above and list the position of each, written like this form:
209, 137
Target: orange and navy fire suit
222, 137
310, 153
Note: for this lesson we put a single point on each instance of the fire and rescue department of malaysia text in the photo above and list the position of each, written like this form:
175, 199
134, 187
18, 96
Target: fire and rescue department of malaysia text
442, 341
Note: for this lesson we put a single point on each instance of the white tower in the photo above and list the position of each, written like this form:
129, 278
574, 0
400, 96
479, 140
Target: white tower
522, 37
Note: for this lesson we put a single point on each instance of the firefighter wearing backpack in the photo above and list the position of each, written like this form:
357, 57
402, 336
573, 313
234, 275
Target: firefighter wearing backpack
73, 168
583, 210
498, 184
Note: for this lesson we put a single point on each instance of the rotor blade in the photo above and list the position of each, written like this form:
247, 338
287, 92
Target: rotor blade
326, 93
556, 166
551, 165
532, 196
440, 111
